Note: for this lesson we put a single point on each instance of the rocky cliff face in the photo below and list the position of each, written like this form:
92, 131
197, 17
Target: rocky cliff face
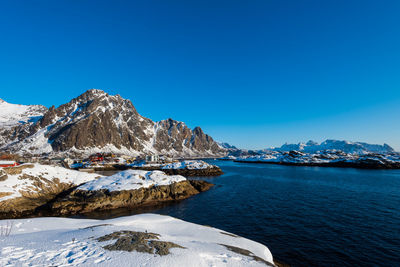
98, 122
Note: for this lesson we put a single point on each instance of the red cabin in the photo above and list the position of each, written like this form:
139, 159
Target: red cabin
8, 163
97, 157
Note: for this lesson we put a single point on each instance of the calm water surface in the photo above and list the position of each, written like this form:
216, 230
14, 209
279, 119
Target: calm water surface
307, 216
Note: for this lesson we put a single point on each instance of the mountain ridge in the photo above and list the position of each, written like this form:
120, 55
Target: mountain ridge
332, 144
98, 122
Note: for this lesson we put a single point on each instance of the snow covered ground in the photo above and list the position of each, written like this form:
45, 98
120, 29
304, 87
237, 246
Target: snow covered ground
72, 242
131, 180
14, 184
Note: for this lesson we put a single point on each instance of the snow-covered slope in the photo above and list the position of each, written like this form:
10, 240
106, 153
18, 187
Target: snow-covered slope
13, 114
344, 146
15, 121
83, 242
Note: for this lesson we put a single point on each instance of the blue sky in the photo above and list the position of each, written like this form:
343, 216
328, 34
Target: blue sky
252, 73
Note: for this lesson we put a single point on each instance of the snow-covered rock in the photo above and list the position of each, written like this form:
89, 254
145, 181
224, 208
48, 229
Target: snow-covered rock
84, 242
29, 178
131, 180
184, 167
188, 164
27, 187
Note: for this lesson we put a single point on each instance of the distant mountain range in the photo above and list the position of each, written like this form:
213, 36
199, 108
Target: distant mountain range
97, 122
344, 146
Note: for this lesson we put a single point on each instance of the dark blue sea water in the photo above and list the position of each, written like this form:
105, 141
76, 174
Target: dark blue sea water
307, 216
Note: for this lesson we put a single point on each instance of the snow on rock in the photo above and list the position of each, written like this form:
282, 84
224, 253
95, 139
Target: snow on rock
188, 164
179, 165
131, 180
71, 242
17, 180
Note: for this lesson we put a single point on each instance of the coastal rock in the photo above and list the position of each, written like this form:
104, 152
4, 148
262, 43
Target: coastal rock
83, 201
187, 168
26, 188
34, 190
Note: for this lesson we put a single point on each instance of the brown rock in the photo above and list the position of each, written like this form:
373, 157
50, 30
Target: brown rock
81, 201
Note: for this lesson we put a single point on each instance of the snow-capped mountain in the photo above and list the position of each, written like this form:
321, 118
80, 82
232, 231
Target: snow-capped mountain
15, 120
344, 146
98, 122
227, 146
13, 114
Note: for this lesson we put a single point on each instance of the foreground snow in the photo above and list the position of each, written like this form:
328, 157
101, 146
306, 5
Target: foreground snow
131, 180
66, 242
14, 184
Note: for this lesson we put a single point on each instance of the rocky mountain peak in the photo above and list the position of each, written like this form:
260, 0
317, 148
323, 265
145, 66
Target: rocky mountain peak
98, 122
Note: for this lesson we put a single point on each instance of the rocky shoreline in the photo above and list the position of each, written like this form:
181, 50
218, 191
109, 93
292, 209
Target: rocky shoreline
213, 171
80, 201
183, 168
41, 196
338, 164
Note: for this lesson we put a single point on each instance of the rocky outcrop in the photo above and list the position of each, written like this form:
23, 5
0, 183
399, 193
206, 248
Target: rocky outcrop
30, 201
96, 121
25, 188
41, 190
212, 171
83, 201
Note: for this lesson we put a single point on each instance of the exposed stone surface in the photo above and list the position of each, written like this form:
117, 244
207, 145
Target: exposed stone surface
138, 241
248, 253
200, 185
3, 175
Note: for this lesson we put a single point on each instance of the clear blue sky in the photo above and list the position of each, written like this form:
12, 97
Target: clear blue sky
252, 73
